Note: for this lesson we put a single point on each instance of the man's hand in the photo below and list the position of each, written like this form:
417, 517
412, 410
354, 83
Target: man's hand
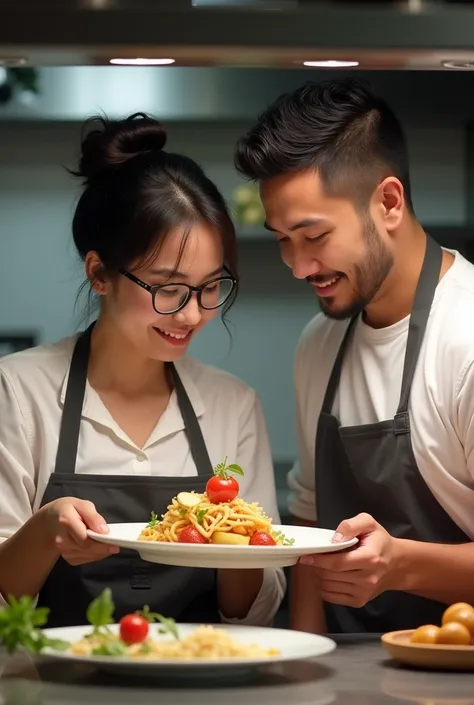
356, 576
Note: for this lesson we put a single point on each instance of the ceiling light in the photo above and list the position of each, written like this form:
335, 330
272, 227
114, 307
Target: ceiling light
458, 64
142, 62
331, 64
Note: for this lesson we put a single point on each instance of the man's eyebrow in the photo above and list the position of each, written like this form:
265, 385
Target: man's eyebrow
305, 223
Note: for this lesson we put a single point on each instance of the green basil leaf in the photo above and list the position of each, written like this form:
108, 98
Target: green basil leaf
236, 469
101, 610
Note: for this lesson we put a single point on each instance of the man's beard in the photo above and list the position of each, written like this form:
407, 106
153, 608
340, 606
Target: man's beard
369, 276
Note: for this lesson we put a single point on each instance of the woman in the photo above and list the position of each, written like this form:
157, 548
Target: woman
110, 425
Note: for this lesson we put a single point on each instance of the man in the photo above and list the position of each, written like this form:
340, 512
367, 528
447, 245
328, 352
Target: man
384, 375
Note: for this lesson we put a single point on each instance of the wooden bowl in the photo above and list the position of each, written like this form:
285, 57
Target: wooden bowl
431, 656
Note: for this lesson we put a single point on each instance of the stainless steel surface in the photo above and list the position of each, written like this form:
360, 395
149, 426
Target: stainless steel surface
357, 673
272, 33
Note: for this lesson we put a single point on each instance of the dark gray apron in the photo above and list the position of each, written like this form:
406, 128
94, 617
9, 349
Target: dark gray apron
186, 594
371, 468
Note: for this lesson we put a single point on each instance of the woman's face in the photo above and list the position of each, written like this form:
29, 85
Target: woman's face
157, 336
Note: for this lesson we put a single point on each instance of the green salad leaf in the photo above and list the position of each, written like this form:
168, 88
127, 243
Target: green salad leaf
110, 648
100, 612
280, 536
20, 623
168, 625
153, 520
200, 514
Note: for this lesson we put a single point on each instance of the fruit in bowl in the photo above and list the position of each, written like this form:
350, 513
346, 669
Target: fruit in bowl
457, 627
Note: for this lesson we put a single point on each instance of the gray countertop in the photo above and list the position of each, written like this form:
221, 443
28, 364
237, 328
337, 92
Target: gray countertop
358, 672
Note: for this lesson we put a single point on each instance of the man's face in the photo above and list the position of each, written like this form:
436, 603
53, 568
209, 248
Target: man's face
326, 241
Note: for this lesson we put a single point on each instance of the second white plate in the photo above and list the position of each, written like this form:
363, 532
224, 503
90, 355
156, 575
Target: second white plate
292, 646
307, 541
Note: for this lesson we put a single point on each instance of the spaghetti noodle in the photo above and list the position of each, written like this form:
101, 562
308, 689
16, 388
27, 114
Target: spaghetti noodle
235, 517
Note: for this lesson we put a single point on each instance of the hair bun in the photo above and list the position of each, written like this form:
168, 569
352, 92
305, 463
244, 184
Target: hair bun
114, 142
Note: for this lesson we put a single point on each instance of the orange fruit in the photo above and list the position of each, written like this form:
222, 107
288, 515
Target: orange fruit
454, 633
427, 634
452, 609
464, 615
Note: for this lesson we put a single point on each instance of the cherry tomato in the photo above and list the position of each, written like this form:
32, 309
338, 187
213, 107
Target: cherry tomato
222, 489
261, 538
133, 628
191, 535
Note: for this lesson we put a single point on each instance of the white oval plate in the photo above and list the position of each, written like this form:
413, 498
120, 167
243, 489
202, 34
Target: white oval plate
293, 646
308, 541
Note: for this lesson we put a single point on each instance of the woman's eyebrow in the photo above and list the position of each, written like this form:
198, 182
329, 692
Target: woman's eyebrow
176, 273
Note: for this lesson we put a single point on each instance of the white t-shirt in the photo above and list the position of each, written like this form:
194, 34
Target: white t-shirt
32, 390
441, 404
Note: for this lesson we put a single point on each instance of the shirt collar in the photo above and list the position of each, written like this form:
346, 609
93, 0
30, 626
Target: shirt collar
170, 422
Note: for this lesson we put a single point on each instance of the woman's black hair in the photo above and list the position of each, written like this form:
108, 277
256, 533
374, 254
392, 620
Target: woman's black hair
135, 194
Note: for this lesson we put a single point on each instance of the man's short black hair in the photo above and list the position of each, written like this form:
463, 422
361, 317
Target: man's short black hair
340, 128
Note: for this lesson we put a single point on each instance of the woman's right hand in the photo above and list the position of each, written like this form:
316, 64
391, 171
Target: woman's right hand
68, 521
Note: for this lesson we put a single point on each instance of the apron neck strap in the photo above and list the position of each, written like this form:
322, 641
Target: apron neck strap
73, 400
333, 383
73, 403
197, 444
425, 291
420, 313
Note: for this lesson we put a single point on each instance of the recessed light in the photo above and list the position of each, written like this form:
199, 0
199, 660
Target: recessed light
458, 64
142, 62
12, 61
331, 64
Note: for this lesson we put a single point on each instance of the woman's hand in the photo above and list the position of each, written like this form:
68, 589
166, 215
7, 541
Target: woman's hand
68, 519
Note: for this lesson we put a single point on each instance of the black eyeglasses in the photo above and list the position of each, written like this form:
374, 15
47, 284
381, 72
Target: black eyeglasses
170, 298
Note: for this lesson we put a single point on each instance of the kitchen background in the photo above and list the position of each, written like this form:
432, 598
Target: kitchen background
205, 110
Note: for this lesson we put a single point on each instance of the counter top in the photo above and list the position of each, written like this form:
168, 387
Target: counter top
358, 672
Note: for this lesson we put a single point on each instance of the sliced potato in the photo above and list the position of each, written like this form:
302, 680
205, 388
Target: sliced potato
188, 499
229, 538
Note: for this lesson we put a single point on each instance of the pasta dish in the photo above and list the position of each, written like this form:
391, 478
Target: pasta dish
215, 516
235, 519
205, 642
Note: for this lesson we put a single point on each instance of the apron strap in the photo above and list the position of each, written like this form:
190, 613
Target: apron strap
333, 383
420, 313
72, 413
196, 441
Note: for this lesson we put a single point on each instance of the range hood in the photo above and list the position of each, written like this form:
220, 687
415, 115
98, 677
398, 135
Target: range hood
408, 34
214, 44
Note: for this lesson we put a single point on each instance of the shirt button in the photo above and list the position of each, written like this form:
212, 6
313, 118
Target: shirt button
141, 458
